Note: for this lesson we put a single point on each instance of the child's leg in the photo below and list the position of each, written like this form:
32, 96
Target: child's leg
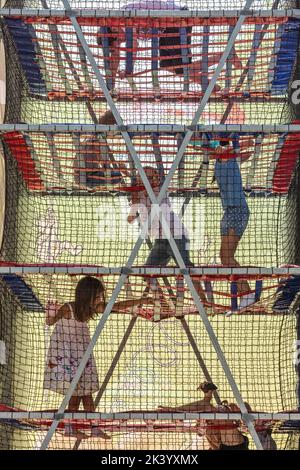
70, 431
229, 244
183, 248
158, 256
74, 404
89, 406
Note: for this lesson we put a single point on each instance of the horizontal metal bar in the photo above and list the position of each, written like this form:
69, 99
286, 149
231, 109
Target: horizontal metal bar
149, 128
70, 193
103, 13
149, 97
283, 416
200, 271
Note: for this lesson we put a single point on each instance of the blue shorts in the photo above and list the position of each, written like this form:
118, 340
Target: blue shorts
236, 218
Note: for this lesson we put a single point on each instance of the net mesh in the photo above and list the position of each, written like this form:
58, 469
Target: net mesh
73, 200
152, 369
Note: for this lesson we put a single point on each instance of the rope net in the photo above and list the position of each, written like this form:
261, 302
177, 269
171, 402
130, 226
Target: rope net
142, 59
79, 198
150, 372
75, 192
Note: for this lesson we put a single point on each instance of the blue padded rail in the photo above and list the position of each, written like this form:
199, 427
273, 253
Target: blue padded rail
23, 292
129, 50
154, 49
286, 56
23, 35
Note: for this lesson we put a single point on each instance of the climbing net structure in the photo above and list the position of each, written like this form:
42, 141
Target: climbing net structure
152, 147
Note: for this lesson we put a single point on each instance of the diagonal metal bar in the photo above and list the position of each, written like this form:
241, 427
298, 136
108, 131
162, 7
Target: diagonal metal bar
166, 230
248, 65
123, 277
111, 369
205, 99
136, 248
199, 357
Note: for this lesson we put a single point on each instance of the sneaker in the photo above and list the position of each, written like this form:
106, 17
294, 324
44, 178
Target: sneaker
247, 300
229, 313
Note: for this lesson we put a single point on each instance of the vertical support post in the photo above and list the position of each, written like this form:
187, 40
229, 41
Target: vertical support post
234, 299
129, 50
229, 64
106, 56
154, 59
204, 61
111, 368
181, 163
185, 59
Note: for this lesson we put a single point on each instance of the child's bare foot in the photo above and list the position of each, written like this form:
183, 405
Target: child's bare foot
71, 432
96, 432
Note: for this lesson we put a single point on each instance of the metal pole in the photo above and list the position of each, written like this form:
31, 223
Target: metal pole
205, 99
111, 369
199, 357
166, 230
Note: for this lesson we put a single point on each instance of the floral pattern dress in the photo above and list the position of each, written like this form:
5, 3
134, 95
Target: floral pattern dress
68, 343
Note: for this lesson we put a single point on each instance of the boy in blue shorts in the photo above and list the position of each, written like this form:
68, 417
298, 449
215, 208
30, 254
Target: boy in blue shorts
236, 212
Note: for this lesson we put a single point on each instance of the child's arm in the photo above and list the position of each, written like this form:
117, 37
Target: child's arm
210, 144
54, 313
123, 304
244, 152
133, 303
134, 209
197, 407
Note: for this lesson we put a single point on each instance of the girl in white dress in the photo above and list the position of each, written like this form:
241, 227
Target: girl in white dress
69, 341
